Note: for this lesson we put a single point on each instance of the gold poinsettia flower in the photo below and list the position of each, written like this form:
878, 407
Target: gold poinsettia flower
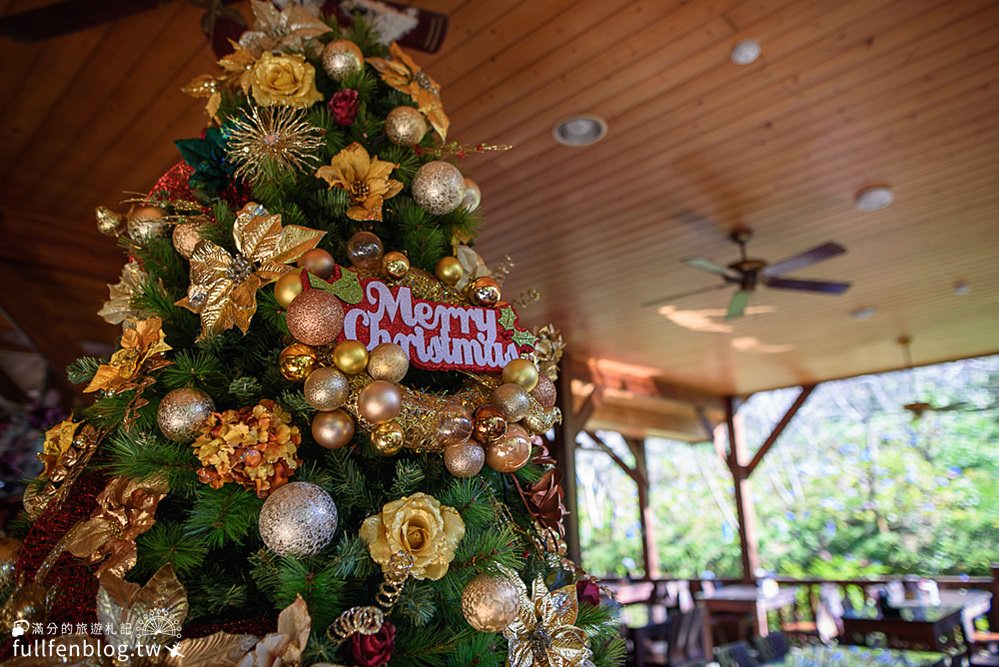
237, 68
141, 347
402, 73
365, 179
223, 288
291, 29
543, 634
58, 440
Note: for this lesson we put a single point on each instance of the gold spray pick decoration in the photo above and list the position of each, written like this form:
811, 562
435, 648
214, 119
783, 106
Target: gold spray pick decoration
368, 620
458, 149
278, 135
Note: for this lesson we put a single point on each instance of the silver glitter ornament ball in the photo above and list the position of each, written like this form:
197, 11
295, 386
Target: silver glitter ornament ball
298, 519
490, 603
404, 126
341, 58
183, 413
473, 195
438, 187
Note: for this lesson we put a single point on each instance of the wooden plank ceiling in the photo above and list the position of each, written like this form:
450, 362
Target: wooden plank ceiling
846, 94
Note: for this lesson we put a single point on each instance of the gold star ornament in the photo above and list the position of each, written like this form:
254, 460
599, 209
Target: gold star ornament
543, 634
223, 289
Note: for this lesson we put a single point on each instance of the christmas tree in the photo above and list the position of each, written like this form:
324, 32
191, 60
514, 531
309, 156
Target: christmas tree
319, 438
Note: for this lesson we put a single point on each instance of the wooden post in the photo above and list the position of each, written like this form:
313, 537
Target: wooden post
737, 454
565, 459
646, 515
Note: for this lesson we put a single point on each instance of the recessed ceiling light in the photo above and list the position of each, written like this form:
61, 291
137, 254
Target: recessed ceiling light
962, 287
745, 52
863, 313
581, 130
874, 199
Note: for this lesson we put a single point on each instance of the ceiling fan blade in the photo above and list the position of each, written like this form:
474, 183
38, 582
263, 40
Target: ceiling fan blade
709, 265
737, 306
69, 16
821, 286
814, 256
681, 295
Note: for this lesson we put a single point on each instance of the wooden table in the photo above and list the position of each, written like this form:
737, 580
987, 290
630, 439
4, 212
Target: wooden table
973, 603
923, 627
857, 656
745, 599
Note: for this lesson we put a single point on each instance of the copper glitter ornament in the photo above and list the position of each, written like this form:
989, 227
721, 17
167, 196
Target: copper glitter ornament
315, 317
317, 262
405, 126
326, 389
183, 413
388, 438
341, 58
395, 264
351, 357
522, 372
454, 426
449, 270
298, 519
438, 187
332, 430
364, 250
544, 392
296, 362
512, 399
489, 424
490, 603
473, 195
484, 291
287, 287
185, 237
509, 452
465, 459
388, 362
379, 402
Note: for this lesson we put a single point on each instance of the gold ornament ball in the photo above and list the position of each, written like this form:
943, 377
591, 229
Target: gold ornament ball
109, 223
405, 126
318, 262
489, 424
522, 372
388, 362
454, 425
145, 223
438, 187
449, 270
350, 356
388, 438
332, 430
484, 291
473, 195
364, 250
379, 402
287, 287
315, 317
544, 392
465, 459
183, 413
296, 362
490, 603
186, 237
341, 58
395, 264
509, 453
326, 389
513, 400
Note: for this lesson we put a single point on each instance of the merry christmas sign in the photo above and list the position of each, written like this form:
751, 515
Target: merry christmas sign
436, 336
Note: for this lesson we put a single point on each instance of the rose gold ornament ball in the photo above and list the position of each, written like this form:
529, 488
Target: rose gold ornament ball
364, 250
388, 362
454, 425
185, 237
513, 400
544, 392
490, 603
315, 317
465, 459
379, 402
341, 58
287, 287
509, 453
332, 430
318, 262
489, 424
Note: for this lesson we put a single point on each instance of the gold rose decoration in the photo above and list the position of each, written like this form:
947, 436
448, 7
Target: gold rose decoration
223, 288
365, 179
284, 79
254, 447
142, 348
126, 508
543, 634
290, 29
417, 525
402, 73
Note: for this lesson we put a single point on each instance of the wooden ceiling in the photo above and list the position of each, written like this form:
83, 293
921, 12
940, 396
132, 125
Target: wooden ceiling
846, 94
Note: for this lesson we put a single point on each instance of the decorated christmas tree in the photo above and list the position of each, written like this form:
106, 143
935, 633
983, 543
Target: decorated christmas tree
319, 438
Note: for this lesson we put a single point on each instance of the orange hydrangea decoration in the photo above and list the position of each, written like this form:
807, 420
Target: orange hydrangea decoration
254, 446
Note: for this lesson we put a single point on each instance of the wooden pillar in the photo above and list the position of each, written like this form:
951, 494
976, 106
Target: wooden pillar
736, 460
565, 458
646, 515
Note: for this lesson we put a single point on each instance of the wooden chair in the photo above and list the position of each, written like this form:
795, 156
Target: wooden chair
772, 647
735, 655
828, 621
684, 645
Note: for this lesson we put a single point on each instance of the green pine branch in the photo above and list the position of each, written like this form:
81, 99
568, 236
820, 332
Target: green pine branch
140, 454
166, 542
223, 516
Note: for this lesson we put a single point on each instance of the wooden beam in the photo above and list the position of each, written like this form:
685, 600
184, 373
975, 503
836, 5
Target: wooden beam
644, 386
638, 421
44, 335
588, 407
803, 395
630, 471
564, 450
743, 494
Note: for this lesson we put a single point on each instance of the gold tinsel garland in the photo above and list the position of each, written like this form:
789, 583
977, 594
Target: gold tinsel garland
368, 620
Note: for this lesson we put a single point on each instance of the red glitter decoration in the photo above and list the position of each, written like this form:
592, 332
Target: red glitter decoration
247, 626
173, 184
343, 106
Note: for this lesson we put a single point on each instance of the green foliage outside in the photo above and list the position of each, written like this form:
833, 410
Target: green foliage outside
855, 486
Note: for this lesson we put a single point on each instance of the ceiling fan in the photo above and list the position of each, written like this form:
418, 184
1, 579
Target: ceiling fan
919, 408
748, 273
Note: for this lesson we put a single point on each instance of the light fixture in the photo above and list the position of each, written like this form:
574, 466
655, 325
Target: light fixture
863, 313
874, 198
746, 52
962, 287
581, 130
